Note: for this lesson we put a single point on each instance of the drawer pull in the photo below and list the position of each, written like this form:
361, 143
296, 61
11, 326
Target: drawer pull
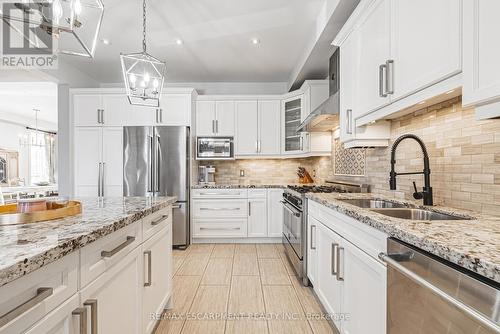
220, 194
220, 228
93, 314
81, 313
118, 248
41, 295
148, 253
220, 209
159, 220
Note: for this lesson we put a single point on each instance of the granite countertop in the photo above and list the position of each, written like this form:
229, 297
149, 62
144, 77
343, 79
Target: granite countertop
238, 186
472, 244
28, 247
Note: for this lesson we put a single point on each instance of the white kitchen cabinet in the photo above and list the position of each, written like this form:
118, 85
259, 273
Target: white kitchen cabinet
224, 121
257, 217
415, 66
269, 119
66, 319
117, 110
247, 128
274, 213
364, 295
328, 286
481, 52
205, 118
312, 249
98, 158
374, 51
87, 109
293, 142
215, 118
116, 297
348, 67
156, 283
175, 110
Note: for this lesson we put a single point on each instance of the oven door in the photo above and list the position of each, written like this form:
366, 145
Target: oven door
292, 227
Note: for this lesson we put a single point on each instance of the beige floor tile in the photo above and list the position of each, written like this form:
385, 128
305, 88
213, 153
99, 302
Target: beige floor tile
245, 249
204, 327
273, 272
201, 248
245, 264
306, 296
322, 327
194, 264
210, 299
223, 251
168, 326
282, 300
280, 248
290, 271
218, 272
176, 264
289, 327
246, 296
183, 292
246, 326
267, 251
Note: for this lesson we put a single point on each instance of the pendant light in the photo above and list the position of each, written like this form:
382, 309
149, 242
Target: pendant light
71, 25
143, 74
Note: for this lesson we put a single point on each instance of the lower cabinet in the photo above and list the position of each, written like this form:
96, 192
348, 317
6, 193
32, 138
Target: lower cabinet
68, 318
350, 283
257, 217
274, 213
114, 298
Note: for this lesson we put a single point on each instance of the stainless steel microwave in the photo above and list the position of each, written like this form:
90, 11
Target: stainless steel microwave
214, 148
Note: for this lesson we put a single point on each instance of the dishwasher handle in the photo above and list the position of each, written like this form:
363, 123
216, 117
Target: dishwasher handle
487, 323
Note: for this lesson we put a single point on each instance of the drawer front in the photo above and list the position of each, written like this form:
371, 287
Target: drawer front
42, 290
155, 222
116, 245
257, 193
228, 208
219, 193
367, 238
227, 228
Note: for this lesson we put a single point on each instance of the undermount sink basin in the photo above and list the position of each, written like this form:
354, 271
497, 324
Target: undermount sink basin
374, 203
417, 214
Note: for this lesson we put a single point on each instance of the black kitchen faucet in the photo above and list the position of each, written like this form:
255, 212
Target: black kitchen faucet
426, 194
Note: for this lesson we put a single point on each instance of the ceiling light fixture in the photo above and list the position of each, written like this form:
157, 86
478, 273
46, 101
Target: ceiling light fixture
106, 41
73, 24
255, 41
143, 74
179, 41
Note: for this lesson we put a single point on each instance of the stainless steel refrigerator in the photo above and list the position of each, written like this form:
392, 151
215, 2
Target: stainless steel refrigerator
156, 163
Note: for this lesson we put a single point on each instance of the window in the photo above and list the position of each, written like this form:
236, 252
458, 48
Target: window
42, 155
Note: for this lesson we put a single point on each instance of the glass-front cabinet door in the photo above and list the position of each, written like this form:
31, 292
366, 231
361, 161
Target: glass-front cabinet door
293, 142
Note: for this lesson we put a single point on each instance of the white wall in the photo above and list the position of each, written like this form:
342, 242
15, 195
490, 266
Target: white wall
9, 140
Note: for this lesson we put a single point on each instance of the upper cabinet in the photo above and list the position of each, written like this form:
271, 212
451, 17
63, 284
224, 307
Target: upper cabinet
403, 53
481, 54
215, 118
293, 142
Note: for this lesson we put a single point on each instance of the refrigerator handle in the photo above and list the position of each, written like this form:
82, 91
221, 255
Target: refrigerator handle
157, 160
150, 162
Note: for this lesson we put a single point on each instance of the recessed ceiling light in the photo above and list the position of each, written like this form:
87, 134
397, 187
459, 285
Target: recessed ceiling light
105, 41
255, 41
179, 41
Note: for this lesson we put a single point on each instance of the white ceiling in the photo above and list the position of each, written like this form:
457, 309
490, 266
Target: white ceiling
216, 34
18, 99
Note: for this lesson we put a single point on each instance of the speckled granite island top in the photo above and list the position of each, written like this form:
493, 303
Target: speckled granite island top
25, 248
239, 186
471, 244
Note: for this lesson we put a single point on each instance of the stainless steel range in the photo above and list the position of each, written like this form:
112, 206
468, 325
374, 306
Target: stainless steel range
295, 220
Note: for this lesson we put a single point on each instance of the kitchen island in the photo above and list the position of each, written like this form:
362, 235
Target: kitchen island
112, 264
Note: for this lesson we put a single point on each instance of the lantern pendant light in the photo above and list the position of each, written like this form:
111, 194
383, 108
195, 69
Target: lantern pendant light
143, 74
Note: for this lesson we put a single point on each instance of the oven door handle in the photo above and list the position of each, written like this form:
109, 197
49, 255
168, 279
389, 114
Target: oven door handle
291, 210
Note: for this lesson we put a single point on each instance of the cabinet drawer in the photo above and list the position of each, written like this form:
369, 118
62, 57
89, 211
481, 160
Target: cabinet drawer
257, 193
219, 193
155, 222
227, 208
59, 281
117, 245
227, 228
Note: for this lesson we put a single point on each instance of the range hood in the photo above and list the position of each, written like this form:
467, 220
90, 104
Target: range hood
326, 116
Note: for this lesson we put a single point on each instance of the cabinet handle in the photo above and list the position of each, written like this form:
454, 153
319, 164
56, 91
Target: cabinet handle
159, 220
213, 126
249, 209
349, 121
161, 115
98, 116
93, 314
258, 146
102, 179
102, 116
221, 194
148, 253
219, 209
99, 180
81, 313
340, 263
389, 76
217, 126
311, 239
381, 88
118, 248
41, 295
333, 254
156, 115
301, 143
220, 228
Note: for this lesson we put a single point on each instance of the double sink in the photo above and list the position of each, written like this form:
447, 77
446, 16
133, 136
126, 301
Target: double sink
400, 210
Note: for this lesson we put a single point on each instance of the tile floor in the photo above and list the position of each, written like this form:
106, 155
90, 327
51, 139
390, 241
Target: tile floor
239, 288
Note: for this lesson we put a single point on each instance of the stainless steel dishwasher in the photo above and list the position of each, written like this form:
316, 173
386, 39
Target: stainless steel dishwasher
426, 295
